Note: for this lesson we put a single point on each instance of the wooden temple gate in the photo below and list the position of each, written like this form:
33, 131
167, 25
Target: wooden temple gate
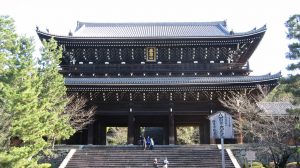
156, 74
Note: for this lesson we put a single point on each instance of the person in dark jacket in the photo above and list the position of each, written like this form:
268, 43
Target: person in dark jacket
148, 142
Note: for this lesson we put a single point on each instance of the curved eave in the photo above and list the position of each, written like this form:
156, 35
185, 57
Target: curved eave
172, 81
45, 35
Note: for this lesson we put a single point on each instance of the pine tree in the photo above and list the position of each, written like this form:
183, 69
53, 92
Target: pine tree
7, 48
53, 98
32, 99
293, 81
21, 88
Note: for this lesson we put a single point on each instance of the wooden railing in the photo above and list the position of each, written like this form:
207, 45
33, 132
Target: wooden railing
154, 68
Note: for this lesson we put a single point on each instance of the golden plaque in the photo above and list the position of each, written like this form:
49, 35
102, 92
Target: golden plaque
151, 54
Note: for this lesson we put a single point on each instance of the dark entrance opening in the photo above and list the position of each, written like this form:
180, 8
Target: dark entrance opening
157, 133
155, 127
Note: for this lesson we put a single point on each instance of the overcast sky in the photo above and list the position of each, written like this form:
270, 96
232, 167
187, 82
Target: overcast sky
61, 16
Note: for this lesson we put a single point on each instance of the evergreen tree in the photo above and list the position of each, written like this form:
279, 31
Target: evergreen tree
31, 99
293, 81
53, 98
21, 88
7, 48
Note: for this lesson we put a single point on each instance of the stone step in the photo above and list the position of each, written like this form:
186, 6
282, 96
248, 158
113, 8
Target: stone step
135, 157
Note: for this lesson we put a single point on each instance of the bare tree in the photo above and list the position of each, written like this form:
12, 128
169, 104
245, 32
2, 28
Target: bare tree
272, 134
243, 108
80, 113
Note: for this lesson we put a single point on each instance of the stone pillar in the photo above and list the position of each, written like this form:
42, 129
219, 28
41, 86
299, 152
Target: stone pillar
130, 131
171, 128
90, 137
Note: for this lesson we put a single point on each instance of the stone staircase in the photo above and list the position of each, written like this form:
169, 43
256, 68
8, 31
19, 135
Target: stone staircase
199, 156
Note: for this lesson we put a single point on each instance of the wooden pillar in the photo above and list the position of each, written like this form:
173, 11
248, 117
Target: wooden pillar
102, 134
175, 134
97, 132
205, 132
201, 133
171, 128
130, 131
90, 137
137, 134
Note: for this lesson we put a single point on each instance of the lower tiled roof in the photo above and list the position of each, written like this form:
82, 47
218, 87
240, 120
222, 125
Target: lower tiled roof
276, 108
172, 80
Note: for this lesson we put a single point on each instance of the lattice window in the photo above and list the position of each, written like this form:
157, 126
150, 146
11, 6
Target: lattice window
164, 97
101, 54
126, 55
114, 55
78, 57
90, 55
211, 55
188, 54
223, 54
163, 54
139, 54
137, 96
176, 55
151, 97
201, 55
66, 60
178, 96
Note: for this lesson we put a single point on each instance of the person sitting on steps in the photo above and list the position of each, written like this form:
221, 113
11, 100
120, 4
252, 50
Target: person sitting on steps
155, 163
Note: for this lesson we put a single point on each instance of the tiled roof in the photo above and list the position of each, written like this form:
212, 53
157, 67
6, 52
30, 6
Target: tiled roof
152, 30
275, 108
171, 80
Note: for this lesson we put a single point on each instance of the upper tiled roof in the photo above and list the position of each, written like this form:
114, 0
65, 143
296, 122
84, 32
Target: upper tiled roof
171, 80
275, 108
152, 30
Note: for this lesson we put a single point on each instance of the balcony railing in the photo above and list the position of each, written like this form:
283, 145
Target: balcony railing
154, 68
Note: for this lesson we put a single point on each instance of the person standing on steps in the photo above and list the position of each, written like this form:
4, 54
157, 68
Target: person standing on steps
148, 141
144, 143
155, 163
166, 162
151, 143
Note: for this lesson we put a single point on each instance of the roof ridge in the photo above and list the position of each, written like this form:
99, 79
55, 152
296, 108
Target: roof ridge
93, 24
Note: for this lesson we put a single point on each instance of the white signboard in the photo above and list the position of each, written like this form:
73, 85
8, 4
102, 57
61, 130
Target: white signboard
226, 119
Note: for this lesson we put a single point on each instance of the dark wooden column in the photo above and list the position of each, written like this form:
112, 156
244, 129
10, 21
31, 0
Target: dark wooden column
90, 137
136, 133
171, 128
130, 131
204, 132
102, 133
96, 133
207, 131
99, 133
